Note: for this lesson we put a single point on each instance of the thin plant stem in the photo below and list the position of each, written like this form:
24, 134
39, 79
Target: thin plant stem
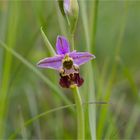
72, 41
90, 75
80, 114
35, 118
94, 13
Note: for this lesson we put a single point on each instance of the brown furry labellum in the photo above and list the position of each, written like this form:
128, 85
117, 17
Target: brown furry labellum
68, 81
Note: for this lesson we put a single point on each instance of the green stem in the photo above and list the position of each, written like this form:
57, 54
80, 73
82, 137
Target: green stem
94, 12
72, 41
80, 114
90, 40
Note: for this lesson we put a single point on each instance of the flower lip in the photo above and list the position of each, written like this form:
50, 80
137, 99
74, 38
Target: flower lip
70, 80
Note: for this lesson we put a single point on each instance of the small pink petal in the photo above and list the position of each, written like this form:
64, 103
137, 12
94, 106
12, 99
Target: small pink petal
80, 58
62, 45
51, 62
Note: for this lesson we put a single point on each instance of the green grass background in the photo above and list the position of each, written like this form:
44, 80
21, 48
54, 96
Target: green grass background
34, 106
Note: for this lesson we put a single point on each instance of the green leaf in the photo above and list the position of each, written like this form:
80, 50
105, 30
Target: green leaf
47, 43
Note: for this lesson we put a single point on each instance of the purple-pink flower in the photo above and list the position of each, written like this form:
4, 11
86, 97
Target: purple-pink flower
66, 5
66, 63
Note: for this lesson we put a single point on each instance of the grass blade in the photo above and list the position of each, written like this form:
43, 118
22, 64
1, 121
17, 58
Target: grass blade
37, 72
133, 120
47, 43
11, 38
30, 121
91, 88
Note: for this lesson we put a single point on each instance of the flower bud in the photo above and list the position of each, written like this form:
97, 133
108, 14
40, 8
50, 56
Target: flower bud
71, 10
71, 7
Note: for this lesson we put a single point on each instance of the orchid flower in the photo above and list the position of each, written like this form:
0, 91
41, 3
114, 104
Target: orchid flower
66, 63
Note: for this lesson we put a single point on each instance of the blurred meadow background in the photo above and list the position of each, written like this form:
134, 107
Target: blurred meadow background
32, 103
